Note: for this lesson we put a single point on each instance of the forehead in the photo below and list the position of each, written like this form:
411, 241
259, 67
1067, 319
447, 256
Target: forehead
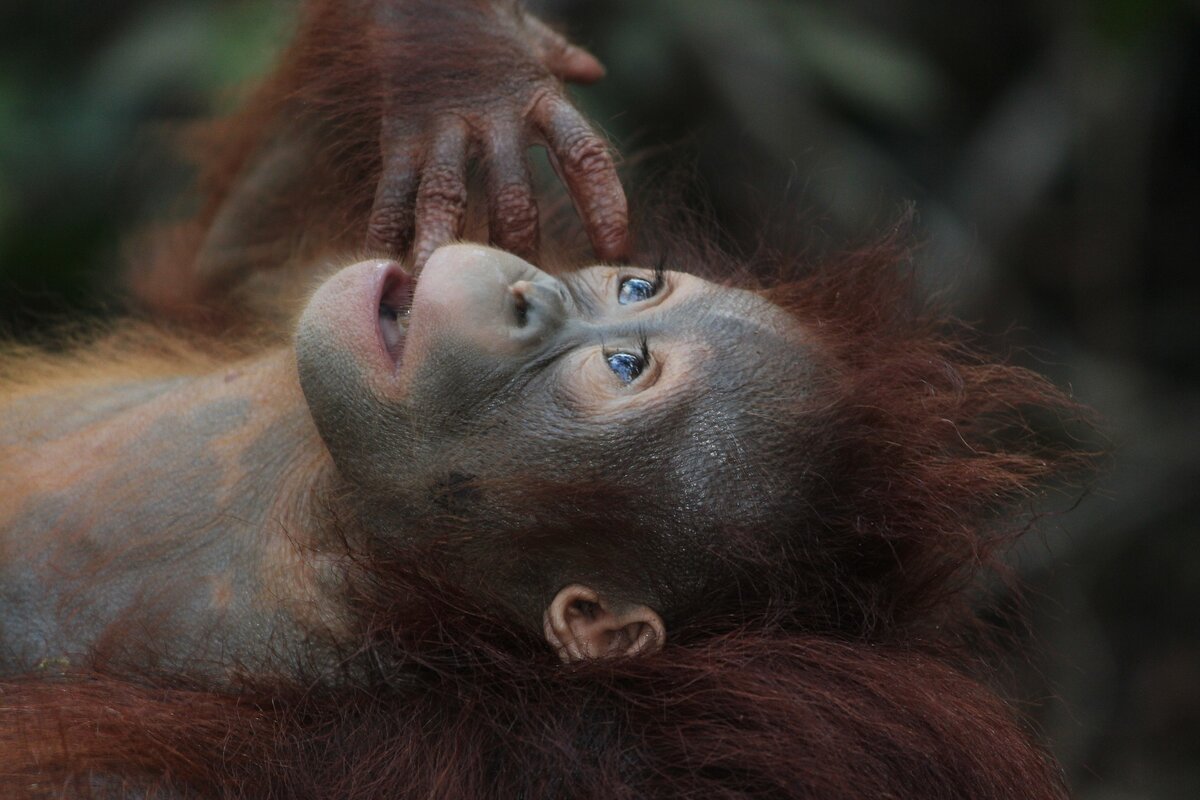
742, 351
698, 308
736, 370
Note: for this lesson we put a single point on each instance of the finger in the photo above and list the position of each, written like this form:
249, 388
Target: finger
574, 64
585, 163
390, 226
442, 195
568, 62
512, 210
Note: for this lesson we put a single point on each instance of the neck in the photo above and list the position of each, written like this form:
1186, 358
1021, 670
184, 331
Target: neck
189, 502
235, 445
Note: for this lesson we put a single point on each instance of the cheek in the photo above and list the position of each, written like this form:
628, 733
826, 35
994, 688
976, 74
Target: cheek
345, 374
331, 378
585, 382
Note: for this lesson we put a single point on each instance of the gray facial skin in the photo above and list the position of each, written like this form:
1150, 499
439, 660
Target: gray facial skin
536, 428
681, 401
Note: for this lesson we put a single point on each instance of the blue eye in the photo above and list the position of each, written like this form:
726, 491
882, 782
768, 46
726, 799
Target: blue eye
626, 366
635, 290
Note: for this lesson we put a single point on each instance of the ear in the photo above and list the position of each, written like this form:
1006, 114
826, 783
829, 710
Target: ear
579, 625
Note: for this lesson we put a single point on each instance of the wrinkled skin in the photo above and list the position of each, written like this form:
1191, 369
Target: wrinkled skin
492, 108
361, 142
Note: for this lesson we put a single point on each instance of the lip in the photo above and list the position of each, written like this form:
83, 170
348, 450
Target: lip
393, 292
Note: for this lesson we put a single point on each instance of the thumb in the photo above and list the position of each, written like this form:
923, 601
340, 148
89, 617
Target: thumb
568, 62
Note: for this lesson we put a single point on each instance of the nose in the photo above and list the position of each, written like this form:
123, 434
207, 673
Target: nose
538, 306
487, 301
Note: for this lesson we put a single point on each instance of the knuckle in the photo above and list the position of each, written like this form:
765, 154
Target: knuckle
540, 100
514, 210
608, 225
587, 155
442, 188
518, 240
389, 224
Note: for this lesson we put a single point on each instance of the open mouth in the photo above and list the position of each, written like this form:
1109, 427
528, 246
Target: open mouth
394, 301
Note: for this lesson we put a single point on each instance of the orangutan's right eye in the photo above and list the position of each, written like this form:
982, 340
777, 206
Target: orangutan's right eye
626, 366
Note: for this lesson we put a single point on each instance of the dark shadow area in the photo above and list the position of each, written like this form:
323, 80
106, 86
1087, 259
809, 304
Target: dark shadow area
1051, 150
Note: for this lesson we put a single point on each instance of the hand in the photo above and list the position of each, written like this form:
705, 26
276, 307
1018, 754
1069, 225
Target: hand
482, 79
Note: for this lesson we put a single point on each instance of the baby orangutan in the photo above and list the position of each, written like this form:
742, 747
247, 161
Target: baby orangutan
632, 526
486, 407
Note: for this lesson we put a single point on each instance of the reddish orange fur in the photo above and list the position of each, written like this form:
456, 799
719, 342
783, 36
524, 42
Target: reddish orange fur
327, 84
745, 714
828, 665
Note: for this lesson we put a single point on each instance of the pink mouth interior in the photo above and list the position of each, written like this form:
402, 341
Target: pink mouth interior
395, 299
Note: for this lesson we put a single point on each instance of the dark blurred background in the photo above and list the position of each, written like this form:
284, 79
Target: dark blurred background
1051, 149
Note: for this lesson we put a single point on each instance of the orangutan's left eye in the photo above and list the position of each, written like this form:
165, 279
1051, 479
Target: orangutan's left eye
635, 290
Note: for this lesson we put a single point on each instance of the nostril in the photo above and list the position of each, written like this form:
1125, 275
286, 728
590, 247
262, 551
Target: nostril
520, 303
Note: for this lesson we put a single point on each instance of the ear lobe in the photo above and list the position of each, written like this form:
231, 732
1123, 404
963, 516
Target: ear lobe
580, 625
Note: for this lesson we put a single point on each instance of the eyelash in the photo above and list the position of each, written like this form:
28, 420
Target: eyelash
644, 349
660, 274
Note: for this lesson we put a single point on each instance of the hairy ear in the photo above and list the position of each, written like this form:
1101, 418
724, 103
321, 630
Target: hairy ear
579, 624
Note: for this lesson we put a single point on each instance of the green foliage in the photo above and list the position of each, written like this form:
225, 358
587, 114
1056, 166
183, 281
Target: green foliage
80, 125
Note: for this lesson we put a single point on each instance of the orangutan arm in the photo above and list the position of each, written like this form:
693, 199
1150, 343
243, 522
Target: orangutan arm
361, 138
